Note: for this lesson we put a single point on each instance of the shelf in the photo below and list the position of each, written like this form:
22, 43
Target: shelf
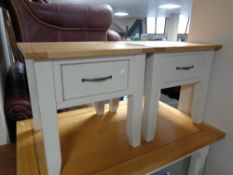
93, 144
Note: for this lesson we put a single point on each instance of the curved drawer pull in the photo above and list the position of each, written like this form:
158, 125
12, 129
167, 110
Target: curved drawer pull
96, 79
185, 68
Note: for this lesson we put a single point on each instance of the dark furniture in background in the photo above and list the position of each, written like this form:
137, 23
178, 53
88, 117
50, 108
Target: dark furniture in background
47, 22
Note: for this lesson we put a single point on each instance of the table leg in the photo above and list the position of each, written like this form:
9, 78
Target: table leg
99, 107
113, 104
47, 103
151, 98
197, 162
31, 76
134, 119
186, 97
201, 90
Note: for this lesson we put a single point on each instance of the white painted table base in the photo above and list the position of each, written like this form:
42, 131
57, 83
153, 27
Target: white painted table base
113, 106
42, 82
44, 110
154, 82
197, 162
192, 99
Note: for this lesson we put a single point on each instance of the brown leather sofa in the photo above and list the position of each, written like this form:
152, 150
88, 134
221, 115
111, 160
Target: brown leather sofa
40, 21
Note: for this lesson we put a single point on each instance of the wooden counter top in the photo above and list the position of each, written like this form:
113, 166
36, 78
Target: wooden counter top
59, 50
98, 145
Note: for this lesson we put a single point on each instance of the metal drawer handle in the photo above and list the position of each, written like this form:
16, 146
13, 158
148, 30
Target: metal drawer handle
185, 68
96, 79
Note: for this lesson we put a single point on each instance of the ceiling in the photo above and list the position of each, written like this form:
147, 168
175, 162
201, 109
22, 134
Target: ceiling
141, 8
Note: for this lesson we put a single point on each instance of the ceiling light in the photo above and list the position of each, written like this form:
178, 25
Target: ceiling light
169, 6
121, 14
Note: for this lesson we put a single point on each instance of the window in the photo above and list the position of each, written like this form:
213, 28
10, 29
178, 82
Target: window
151, 25
183, 26
160, 25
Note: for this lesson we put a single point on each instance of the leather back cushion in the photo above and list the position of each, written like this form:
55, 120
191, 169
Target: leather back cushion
82, 16
37, 22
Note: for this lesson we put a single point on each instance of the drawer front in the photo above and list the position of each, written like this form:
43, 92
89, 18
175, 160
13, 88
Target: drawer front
86, 79
181, 67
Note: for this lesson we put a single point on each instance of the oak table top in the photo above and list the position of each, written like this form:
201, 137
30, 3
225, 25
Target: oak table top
98, 145
79, 50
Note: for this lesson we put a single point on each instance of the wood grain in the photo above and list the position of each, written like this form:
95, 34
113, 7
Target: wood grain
98, 145
80, 50
26, 153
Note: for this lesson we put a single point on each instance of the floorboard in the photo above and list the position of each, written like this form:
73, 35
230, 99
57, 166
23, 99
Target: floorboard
8, 159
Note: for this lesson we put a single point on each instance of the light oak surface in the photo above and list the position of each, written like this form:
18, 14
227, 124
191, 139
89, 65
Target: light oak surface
26, 153
78, 50
98, 145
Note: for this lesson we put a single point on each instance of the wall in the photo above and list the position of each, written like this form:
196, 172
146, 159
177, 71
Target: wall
3, 66
212, 22
3, 131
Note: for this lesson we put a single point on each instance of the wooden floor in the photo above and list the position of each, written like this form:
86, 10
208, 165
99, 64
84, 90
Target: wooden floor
98, 145
8, 159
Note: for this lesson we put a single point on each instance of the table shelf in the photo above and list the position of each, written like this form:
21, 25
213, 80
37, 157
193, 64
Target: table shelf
92, 144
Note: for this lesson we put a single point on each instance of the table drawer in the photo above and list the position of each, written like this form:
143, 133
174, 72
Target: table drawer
87, 79
181, 67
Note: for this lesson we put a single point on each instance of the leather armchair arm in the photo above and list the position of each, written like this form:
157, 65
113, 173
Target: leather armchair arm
17, 101
113, 36
71, 16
